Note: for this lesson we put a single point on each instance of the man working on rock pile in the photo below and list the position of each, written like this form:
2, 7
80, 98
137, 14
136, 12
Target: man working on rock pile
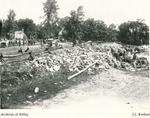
135, 59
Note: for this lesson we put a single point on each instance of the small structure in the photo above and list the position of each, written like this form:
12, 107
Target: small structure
21, 37
19, 34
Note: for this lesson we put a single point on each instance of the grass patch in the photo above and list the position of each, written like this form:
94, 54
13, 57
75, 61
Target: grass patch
18, 87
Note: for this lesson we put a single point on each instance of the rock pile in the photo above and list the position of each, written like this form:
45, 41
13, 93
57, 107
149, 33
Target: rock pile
75, 59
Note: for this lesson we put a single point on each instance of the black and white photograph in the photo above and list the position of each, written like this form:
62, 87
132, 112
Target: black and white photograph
84, 56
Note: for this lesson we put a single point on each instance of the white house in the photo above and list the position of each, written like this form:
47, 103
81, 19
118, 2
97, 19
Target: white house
20, 35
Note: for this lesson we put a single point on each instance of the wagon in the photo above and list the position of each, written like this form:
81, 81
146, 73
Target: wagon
142, 62
3, 45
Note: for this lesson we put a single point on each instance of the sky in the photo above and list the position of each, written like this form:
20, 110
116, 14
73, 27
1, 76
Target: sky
110, 11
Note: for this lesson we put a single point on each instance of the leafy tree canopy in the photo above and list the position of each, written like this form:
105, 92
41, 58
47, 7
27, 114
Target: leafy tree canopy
134, 32
50, 14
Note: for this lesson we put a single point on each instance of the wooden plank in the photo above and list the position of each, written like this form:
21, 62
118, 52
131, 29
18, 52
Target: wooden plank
73, 76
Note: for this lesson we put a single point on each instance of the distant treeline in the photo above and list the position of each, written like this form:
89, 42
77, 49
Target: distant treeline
75, 28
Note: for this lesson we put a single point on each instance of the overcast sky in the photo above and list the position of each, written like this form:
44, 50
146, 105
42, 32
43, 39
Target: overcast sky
110, 11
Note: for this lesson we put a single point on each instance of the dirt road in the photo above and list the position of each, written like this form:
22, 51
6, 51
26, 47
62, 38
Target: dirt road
113, 88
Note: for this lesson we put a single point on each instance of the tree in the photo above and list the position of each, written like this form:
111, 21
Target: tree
28, 26
41, 32
89, 30
134, 32
80, 13
11, 21
94, 30
50, 14
9, 25
73, 25
112, 33
11, 15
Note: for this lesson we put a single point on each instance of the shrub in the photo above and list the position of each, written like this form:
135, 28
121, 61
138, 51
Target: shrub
134, 33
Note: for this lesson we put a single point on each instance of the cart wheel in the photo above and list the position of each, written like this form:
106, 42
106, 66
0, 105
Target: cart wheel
143, 62
138, 64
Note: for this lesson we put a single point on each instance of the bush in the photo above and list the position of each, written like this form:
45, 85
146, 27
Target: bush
134, 33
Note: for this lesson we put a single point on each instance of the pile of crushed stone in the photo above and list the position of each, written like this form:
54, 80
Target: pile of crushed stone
75, 59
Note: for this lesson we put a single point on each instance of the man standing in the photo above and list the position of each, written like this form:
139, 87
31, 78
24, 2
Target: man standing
135, 59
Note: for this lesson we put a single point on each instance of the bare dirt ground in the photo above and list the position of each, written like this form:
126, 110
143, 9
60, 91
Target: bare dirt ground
112, 87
